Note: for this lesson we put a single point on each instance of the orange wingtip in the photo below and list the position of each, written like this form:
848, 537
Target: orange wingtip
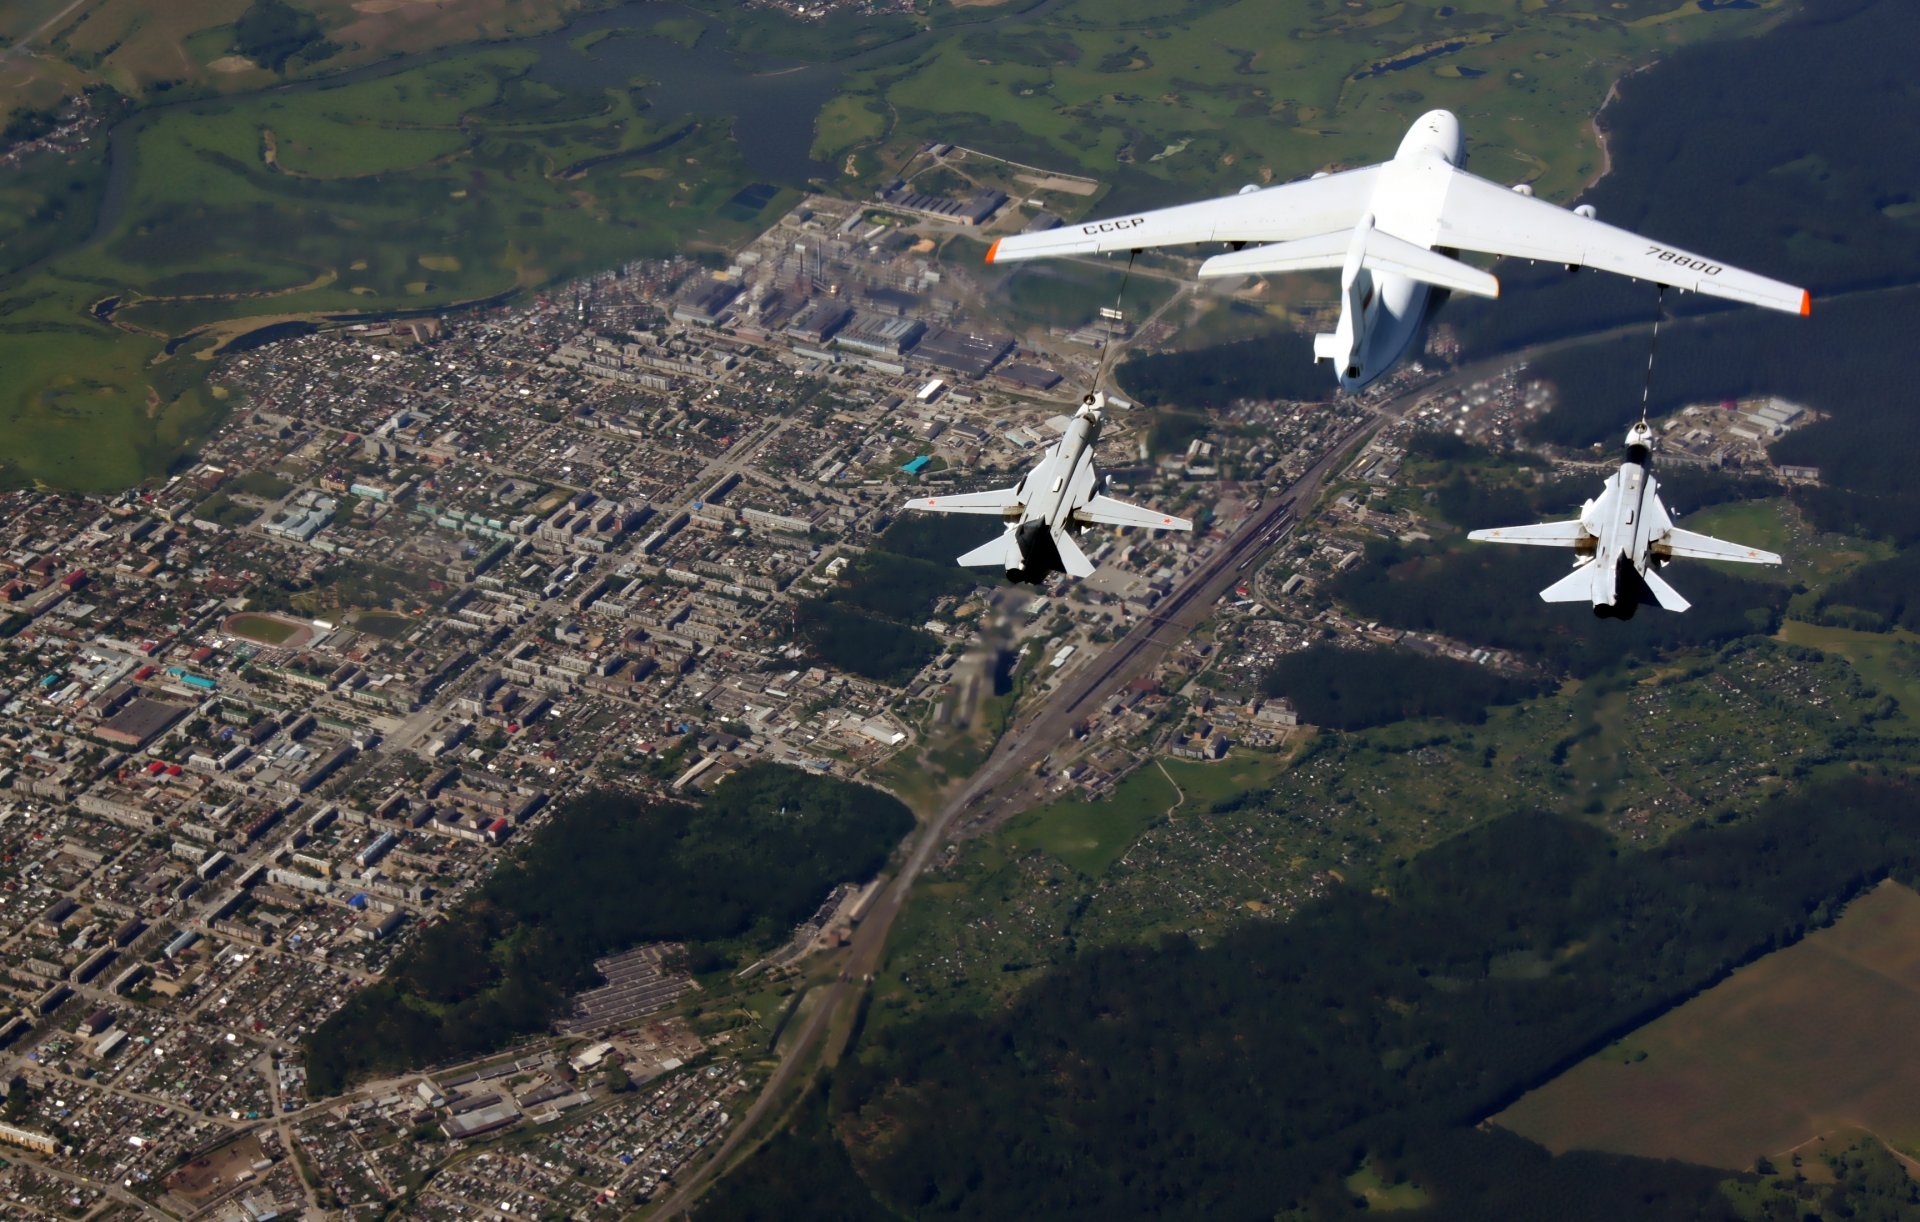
993, 250
1806, 298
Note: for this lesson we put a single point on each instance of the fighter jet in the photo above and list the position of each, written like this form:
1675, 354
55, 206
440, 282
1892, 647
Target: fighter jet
1056, 501
1622, 538
1392, 230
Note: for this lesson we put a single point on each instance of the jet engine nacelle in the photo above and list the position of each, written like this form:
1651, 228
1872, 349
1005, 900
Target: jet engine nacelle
1523, 188
1250, 188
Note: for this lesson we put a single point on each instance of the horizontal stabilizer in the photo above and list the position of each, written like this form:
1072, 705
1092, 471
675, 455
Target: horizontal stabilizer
1330, 346
1576, 587
1540, 534
1306, 254
1071, 557
1663, 593
1006, 500
1109, 512
1705, 547
1003, 551
1384, 252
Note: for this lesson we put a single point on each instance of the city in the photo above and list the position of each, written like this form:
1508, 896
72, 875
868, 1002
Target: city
435, 577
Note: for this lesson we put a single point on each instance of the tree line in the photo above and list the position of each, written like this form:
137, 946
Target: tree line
610, 872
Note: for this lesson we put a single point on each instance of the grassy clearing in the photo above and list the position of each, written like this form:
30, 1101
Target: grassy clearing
1091, 836
389, 625
1764, 524
1383, 1197
1799, 1044
1243, 771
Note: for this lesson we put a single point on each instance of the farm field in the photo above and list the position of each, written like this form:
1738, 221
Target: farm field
1807, 1041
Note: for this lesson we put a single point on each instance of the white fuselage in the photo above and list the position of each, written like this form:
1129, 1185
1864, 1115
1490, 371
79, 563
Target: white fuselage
1621, 533
1406, 204
1045, 493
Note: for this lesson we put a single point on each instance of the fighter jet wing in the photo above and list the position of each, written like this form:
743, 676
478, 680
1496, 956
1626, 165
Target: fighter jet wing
1273, 214
1705, 547
997, 503
1541, 534
1109, 512
1487, 217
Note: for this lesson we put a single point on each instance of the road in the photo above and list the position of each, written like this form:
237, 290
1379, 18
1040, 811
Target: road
1026, 744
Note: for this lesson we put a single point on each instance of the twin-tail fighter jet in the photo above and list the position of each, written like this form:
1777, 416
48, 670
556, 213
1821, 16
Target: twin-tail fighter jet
1392, 230
1043, 512
1621, 539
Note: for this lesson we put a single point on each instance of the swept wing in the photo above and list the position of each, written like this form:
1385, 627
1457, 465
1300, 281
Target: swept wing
1108, 512
1705, 547
1484, 216
1272, 214
1542, 534
1002, 501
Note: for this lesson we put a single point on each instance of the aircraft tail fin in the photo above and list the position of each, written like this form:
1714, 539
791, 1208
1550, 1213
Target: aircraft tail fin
1577, 586
1004, 550
1072, 559
1663, 593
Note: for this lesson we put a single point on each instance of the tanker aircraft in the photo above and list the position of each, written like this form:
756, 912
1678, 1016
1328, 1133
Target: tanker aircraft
1621, 538
1393, 230
1056, 500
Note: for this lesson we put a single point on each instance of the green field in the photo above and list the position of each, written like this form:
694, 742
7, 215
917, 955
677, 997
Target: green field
454, 181
267, 629
387, 625
1777, 525
1805, 1042
1216, 93
1091, 836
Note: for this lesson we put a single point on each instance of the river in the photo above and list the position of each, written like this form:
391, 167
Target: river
772, 105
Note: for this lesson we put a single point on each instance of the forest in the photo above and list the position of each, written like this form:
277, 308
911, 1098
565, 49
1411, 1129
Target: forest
869, 624
1813, 194
610, 872
1352, 689
1487, 594
1280, 366
1237, 1079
